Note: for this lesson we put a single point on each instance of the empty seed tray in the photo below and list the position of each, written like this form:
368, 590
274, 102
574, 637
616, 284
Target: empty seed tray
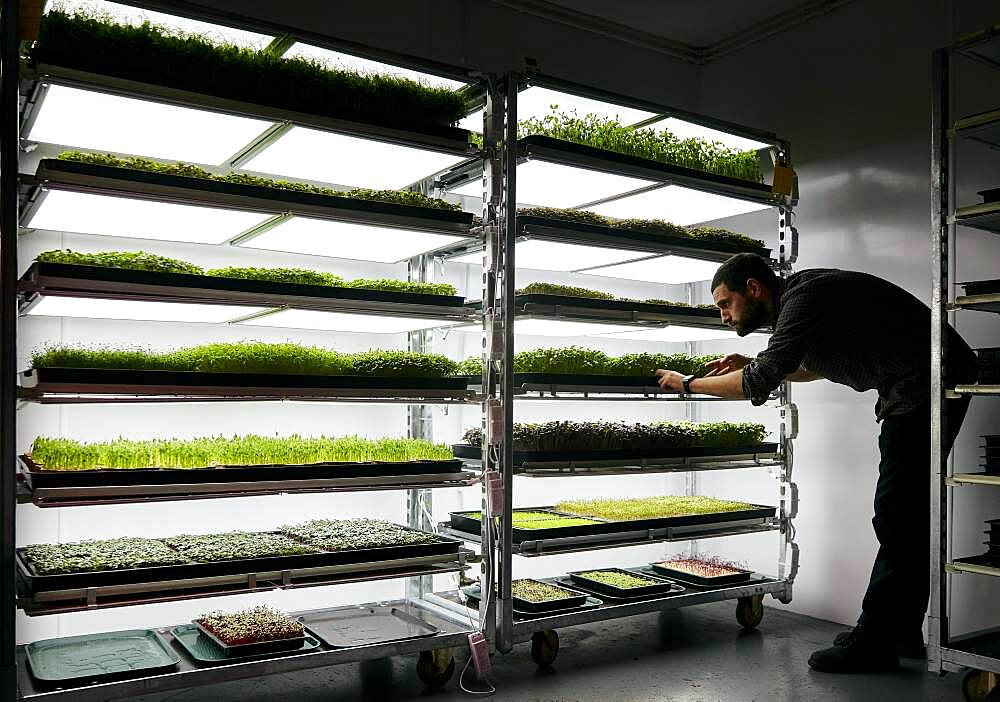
367, 625
100, 657
656, 586
204, 651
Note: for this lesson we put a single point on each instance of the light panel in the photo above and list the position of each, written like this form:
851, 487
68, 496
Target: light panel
87, 213
661, 269
676, 204
542, 255
310, 154
345, 322
553, 185
363, 242
555, 327
93, 120
689, 130
346, 62
99, 308
676, 334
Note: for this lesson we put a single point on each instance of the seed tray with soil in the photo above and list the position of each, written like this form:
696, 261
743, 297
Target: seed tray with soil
204, 651
530, 595
702, 572
620, 583
252, 632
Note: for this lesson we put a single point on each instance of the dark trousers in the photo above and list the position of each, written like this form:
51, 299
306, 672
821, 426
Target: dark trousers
897, 594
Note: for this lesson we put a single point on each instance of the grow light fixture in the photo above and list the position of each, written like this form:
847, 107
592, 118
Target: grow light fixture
548, 184
93, 120
543, 255
363, 242
690, 130
146, 310
345, 322
125, 14
347, 62
310, 154
676, 204
555, 327
660, 269
87, 213
675, 333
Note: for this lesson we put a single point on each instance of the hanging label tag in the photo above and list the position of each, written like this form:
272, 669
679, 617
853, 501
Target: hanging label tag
784, 178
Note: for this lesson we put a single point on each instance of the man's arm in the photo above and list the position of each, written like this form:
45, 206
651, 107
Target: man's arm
802, 376
728, 385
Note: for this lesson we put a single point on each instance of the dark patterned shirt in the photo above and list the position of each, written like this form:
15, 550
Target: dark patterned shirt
857, 330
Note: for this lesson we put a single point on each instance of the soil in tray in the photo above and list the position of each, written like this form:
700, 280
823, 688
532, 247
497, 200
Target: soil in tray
622, 584
529, 595
702, 572
252, 632
204, 651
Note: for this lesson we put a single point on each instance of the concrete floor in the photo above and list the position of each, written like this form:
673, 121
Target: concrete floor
688, 655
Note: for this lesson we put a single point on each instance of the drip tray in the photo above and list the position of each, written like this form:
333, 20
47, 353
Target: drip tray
366, 626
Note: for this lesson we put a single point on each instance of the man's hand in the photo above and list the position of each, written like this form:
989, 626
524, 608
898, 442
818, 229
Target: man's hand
726, 364
670, 381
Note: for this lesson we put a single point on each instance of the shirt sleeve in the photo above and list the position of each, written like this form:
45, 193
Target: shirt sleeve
794, 334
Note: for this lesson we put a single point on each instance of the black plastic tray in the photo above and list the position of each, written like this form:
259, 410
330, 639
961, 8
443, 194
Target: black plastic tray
690, 579
992, 440
253, 649
474, 595
661, 586
367, 625
461, 522
622, 305
520, 457
577, 600
203, 650
171, 281
636, 381
34, 582
39, 478
991, 195
981, 287
674, 590
159, 378
447, 220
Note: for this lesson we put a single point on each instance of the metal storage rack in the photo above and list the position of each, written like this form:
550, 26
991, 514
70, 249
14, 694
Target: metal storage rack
980, 650
502, 228
22, 95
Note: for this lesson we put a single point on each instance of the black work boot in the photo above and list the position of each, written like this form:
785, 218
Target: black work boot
910, 645
859, 652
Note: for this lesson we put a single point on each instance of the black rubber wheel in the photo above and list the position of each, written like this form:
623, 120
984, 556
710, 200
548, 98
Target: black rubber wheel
435, 668
544, 647
979, 685
750, 611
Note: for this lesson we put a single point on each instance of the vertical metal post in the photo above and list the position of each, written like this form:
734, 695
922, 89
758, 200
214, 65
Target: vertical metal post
691, 414
941, 232
420, 426
788, 495
9, 66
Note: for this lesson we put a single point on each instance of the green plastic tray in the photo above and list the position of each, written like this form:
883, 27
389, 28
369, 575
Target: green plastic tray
204, 651
116, 654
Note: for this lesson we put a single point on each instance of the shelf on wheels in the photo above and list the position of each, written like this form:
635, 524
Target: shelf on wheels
189, 674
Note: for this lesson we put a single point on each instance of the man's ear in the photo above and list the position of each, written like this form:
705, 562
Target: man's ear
753, 288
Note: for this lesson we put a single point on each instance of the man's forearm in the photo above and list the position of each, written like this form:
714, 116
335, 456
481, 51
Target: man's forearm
729, 386
802, 376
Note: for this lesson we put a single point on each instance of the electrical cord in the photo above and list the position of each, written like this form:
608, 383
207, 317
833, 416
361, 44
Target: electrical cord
495, 533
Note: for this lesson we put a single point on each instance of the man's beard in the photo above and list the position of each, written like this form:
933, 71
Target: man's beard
754, 317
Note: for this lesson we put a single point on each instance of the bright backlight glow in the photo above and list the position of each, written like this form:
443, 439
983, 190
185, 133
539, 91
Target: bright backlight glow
99, 308
542, 255
85, 213
346, 62
92, 120
676, 204
676, 334
689, 130
345, 322
662, 269
555, 327
363, 242
310, 154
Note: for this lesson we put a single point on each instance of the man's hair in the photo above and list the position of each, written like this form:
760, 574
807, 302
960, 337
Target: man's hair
738, 269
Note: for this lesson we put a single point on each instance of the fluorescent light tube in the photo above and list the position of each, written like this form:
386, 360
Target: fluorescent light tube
357, 64
542, 255
86, 213
676, 204
92, 120
310, 154
661, 269
346, 322
100, 308
363, 242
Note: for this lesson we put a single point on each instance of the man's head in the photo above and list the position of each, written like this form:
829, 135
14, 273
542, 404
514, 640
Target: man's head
743, 288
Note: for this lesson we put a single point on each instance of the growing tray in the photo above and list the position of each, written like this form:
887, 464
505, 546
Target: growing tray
674, 590
100, 657
44, 276
981, 287
661, 587
991, 440
474, 594
626, 306
577, 600
38, 478
366, 626
991, 195
464, 523
698, 581
253, 649
619, 455
203, 651
34, 582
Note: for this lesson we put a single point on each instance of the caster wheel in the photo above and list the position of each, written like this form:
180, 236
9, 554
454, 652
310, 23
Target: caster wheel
750, 611
435, 668
544, 647
980, 685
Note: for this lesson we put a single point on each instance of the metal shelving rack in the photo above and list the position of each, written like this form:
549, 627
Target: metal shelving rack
978, 650
502, 228
22, 95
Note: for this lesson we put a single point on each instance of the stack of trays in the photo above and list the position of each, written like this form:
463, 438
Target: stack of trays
991, 454
992, 541
989, 366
